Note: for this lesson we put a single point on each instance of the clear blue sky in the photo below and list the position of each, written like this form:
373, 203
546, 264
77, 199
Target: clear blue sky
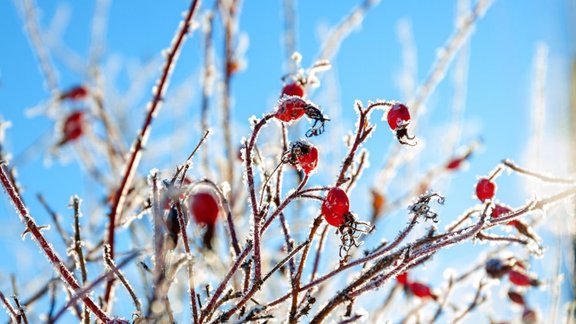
367, 67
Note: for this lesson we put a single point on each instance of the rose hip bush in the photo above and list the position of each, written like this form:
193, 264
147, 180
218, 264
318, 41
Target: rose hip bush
248, 238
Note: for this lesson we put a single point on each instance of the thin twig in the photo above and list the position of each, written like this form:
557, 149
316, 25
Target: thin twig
9, 308
186, 244
39, 47
78, 250
207, 312
281, 263
478, 299
542, 177
82, 293
35, 231
142, 138
110, 264
55, 218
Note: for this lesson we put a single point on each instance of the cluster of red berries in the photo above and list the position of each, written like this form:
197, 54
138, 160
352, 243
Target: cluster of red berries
415, 288
517, 274
485, 191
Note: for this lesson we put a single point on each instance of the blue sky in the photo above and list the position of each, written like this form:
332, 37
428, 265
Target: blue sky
367, 67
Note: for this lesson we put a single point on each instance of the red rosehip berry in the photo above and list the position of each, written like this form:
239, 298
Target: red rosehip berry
516, 297
293, 89
75, 93
291, 108
204, 208
398, 116
455, 164
335, 206
302, 154
421, 290
309, 160
529, 316
402, 278
73, 127
522, 279
500, 210
398, 119
485, 189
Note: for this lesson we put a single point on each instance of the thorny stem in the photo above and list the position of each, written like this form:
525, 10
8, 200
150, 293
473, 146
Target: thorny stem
21, 311
319, 253
298, 275
78, 250
545, 178
83, 292
189, 159
358, 171
36, 233
55, 218
256, 284
361, 261
286, 259
478, 299
207, 312
445, 294
452, 46
159, 266
142, 138
510, 239
186, 244
364, 129
411, 255
257, 218
110, 264
46, 66
531, 206
9, 308
228, 11
207, 81
339, 33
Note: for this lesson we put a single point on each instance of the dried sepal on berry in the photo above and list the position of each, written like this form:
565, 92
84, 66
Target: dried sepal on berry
318, 119
350, 232
421, 208
398, 118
